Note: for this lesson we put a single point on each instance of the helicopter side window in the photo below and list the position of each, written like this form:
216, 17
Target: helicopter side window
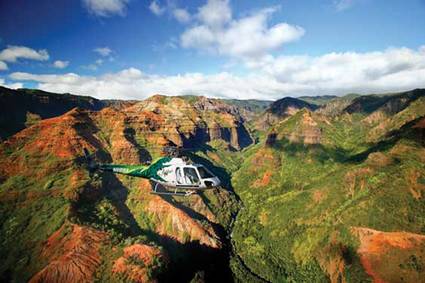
179, 177
204, 173
191, 176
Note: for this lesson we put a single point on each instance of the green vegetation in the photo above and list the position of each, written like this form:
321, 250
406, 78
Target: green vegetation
317, 192
24, 226
30, 211
286, 212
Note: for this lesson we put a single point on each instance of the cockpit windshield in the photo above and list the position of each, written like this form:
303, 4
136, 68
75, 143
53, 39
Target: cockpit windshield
204, 173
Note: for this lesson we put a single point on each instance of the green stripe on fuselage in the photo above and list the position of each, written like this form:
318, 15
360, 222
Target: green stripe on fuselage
148, 172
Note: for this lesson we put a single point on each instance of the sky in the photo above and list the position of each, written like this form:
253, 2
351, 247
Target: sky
132, 49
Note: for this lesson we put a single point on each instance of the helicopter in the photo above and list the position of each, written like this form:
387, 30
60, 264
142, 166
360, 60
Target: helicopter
171, 175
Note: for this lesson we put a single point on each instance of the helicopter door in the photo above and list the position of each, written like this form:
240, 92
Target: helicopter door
179, 177
191, 176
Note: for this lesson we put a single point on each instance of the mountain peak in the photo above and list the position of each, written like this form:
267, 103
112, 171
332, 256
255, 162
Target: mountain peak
281, 109
288, 106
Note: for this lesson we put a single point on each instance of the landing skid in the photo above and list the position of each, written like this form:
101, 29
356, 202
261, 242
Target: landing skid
161, 190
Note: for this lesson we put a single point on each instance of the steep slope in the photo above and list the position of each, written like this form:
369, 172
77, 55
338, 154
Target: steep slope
315, 186
389, 104
77, 228
73, 258
23, 107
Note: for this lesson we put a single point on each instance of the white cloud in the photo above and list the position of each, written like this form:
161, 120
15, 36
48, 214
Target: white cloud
156, 8
106, 8
3, 66
181, 15
133, 84
13, 53
103, 51
394, 69
350, 69
12, 86
60, 64
215, 13
200, 37
243, 38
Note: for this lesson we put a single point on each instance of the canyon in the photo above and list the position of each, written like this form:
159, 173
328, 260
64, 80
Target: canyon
312, 189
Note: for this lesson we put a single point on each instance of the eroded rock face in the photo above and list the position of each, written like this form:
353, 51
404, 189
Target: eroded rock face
307, 131
186, 123
175, 223
200, 207
73, 257
139, 262
391, 256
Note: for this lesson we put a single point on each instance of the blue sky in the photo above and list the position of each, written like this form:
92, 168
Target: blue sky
130, 49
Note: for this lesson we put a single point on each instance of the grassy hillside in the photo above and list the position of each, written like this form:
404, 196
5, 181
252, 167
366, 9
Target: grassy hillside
307, 195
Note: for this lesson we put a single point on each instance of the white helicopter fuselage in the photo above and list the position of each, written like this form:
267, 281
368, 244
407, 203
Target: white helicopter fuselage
178, 174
